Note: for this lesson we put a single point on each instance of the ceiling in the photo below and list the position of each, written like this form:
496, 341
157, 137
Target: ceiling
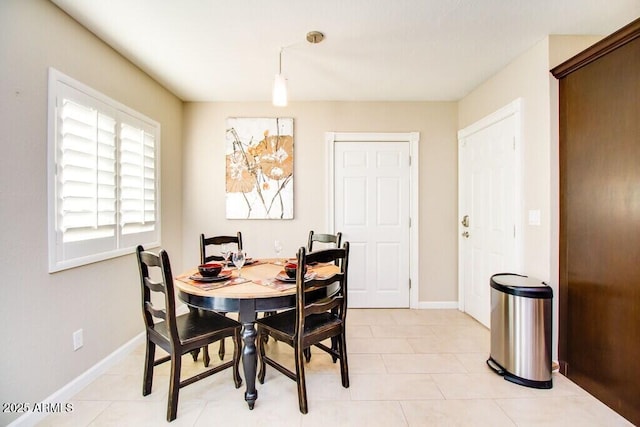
392, 50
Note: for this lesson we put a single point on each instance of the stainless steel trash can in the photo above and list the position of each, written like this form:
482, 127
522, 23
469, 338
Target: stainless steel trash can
521, 330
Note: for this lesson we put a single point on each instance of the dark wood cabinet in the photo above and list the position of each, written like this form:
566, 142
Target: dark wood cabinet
599, 288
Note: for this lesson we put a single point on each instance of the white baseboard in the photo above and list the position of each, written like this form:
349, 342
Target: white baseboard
67, 392
437, 305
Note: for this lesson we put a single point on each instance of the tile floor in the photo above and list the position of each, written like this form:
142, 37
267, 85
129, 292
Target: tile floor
407, 368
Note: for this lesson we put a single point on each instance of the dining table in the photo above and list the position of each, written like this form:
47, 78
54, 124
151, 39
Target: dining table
260, 286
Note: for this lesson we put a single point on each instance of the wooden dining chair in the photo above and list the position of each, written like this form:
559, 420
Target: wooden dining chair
323, 238
178, 335
211, 250
209, 245
218, 241
309, 324
326, 240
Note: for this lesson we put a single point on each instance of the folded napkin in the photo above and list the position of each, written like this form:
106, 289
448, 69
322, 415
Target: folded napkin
207, 286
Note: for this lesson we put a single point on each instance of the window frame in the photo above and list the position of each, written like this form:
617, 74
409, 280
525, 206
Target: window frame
66, 255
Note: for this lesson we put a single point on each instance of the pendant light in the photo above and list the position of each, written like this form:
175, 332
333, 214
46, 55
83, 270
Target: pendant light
279, 94
280, 86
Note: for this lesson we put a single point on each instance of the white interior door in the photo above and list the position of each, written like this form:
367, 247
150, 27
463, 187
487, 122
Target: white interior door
372, 209
489, 208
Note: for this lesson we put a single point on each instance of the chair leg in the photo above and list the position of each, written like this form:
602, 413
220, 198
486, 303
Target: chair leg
307, 354
174, 386
267, 314
237, 339
147, 381
262, 337
334, 340
194, 353
205, 356
301, 380
334, 346
344, 366
221, 350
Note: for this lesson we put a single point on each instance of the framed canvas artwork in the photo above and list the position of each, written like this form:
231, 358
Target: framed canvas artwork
259, 168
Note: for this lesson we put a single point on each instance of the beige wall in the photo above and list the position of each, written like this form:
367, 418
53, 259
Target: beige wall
204, 143
528, 78
40, 311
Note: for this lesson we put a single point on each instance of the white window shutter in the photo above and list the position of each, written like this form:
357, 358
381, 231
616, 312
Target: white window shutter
137, 179
87, 179
103, 176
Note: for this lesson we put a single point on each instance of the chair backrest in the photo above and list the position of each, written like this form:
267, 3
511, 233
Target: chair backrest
323, 238
160, 282
205, 242
338, 300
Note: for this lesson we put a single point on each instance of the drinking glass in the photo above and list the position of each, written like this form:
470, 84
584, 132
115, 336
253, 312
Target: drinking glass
277, 246
238, 260
226, 252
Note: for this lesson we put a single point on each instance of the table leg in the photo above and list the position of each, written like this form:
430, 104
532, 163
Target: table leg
247, 317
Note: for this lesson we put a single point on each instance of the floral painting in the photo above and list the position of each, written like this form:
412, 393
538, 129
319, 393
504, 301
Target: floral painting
259, 168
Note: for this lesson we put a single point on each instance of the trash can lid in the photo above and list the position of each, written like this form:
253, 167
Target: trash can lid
521, 286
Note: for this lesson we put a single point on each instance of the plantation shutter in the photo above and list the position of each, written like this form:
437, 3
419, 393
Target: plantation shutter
87, 175
103, 176
137, 179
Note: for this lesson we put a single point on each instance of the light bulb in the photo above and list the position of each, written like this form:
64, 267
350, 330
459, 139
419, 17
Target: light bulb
280, 91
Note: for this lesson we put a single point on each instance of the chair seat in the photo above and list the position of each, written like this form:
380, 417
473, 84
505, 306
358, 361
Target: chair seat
282, 325
195, 326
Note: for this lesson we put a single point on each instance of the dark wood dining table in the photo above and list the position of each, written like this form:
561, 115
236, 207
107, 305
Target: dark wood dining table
260, 292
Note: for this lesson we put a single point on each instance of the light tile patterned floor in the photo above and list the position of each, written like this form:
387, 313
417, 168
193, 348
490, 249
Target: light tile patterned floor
407, 368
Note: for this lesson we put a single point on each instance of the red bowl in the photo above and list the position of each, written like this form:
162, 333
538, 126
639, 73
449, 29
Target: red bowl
291, 268
210, 270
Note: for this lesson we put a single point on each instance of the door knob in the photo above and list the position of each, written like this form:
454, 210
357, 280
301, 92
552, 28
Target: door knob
465, 234
465, 221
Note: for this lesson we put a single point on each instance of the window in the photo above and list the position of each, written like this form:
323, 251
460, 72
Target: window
103, 176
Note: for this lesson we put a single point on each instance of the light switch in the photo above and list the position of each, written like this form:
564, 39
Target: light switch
534, 217
77, 340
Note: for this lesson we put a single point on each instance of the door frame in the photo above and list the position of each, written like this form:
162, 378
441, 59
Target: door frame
413, 138
513, 108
